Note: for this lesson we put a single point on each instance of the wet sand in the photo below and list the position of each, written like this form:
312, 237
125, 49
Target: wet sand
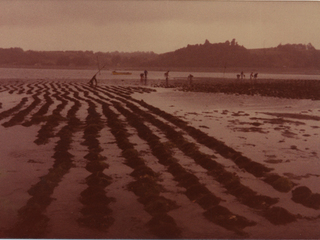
128, 161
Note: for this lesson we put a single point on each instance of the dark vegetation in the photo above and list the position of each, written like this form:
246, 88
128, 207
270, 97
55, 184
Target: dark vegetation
208, 55
113, 108
33, 220
291, 89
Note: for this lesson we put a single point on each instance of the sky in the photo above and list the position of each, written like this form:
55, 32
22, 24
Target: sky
158, 25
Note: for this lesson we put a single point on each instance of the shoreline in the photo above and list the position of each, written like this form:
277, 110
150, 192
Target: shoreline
305, 71
281, 88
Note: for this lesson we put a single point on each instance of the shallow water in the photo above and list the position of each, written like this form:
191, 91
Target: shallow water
54, 74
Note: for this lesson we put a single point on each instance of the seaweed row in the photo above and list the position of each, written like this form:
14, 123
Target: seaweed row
19, 117
279, 183
4, 88
52, 121
195, 191
145, 185
292, 89
38, 116
12, 87
96, 212
10, 111
32, 221
231, 182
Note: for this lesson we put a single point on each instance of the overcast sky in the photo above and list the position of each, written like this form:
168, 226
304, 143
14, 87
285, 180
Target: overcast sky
159, 26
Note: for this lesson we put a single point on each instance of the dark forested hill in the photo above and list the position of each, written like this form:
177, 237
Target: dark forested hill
230, 54
207, 55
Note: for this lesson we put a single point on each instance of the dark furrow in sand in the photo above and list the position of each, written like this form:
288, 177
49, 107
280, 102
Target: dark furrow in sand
306, 197
96, 212
146, 186
39, 87
31, 88
5, 88
10, 111
13, 89
32, 221
77, 104
29, 91
301, 194
38, 117
19, 117
76, 94
122, 90
71, 114
195, 191
21, 88
231, 182
47, 130
126, 90
280, 183
190, 149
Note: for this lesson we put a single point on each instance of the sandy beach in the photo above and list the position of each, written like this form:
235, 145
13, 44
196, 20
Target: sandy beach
124, 160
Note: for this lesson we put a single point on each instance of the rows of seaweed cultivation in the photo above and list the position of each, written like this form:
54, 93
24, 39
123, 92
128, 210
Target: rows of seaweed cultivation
295, 89
33, 221
59, 109
231, 182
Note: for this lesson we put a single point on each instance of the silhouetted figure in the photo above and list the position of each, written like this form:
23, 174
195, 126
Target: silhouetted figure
255, 75
145, 76
190, 79
251, 75
167, 78
141, 78
93, 82
242, 75
238, 76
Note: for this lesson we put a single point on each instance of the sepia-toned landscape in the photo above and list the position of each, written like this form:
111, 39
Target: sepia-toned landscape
159, 119
125, 160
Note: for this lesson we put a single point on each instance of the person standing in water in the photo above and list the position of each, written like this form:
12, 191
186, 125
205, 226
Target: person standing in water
141, 78
167, 78
190, 79
242, 75
145, 76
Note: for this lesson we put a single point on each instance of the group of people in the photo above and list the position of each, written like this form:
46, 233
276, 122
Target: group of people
144, 77
252, 75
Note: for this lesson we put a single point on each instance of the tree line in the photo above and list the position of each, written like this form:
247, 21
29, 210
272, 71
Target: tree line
208, 55
231, 54
71, 59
